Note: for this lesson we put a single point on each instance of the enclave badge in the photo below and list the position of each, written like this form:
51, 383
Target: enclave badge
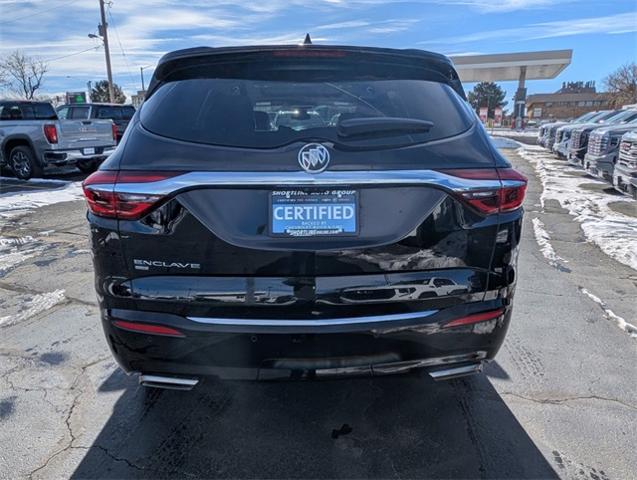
314, 158
146, 264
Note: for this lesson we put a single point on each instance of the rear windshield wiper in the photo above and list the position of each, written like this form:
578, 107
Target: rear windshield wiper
367, 126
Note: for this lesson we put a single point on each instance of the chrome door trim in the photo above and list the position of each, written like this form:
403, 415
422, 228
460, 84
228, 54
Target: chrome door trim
295, 179
263, 322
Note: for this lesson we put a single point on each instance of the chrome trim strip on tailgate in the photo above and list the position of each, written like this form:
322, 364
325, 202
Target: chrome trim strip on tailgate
262, 322
327, 178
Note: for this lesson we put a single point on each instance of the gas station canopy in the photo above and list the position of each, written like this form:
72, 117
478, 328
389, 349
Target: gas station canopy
523, 66
512, 66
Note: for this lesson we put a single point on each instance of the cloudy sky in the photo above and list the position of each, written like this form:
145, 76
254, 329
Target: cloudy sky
602, 33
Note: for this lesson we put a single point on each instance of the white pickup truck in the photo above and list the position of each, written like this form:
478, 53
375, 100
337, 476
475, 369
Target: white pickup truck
32, 138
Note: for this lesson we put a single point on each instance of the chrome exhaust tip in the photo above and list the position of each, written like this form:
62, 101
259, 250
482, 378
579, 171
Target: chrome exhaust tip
169, 383
454, 372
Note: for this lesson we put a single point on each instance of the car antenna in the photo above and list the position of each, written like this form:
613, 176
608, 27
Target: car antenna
308, 40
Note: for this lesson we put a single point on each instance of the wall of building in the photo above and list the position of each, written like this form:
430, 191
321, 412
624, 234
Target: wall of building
563, 110
572, 100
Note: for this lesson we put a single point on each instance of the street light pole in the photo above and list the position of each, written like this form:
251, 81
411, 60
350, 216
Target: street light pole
104, 33
141, 73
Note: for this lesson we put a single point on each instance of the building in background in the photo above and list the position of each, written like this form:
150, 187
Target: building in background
138, 98
570, 101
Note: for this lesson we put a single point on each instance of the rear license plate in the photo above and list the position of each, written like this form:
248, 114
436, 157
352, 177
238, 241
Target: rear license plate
88, 151
312, 213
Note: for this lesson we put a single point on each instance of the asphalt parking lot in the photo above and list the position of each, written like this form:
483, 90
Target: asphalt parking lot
559, 402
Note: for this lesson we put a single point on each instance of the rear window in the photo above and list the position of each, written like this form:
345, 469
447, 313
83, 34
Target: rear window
128, 113
113, 113
79, 113
27, 111
271, 113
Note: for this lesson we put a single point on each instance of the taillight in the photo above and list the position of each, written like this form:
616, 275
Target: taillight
100, 191
475, 318
513, 189
114, 131
50, 133
504, 196
148, 328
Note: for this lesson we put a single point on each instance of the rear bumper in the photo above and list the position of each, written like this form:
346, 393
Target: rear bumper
65, 157
243, 349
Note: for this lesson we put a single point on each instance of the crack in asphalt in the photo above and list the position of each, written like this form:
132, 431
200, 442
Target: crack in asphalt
559, 401
83, 447
67, 419
43, 391
117, 459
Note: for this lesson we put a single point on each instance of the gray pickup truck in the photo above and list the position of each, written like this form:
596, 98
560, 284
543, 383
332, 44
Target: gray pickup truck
32, 138
625, 172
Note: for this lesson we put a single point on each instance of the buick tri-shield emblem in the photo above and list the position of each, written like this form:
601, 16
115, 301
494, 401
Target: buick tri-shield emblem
314, 158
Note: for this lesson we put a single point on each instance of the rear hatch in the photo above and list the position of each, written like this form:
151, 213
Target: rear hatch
213, 185
85, 135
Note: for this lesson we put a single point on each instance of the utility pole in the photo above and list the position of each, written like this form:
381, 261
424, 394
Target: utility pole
104, 33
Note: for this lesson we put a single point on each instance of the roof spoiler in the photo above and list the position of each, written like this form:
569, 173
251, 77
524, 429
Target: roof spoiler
432, 66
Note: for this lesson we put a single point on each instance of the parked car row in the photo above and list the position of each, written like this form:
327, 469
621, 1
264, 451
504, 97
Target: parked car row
604, 143
34, 136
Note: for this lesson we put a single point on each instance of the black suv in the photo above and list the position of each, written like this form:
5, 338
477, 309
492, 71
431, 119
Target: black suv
119, 114
304, 211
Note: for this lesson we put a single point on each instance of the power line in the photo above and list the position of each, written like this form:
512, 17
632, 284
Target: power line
128, 67
71, 54
39, 12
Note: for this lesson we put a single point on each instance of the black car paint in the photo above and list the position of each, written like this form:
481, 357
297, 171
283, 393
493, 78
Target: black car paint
242, 273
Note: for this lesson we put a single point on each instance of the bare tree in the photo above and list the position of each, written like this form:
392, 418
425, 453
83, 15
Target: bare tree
622, 85
23, 74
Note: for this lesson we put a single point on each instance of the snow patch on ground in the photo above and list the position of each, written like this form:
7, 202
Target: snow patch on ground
15, 204
614, 233
36, 180
543, 239
36, 305
527, 134
608, 313
502, 142
14, 251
